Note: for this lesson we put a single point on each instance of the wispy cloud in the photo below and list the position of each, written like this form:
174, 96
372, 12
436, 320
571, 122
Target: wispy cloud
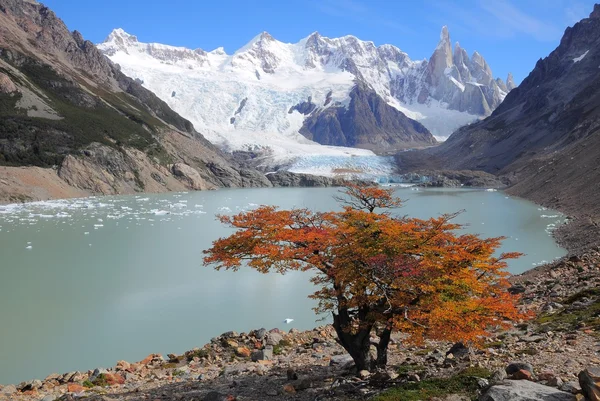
359, 12
500, 19
516, 21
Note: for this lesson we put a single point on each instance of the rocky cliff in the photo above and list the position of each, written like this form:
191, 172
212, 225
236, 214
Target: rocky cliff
367, 122
544, 137
65, 106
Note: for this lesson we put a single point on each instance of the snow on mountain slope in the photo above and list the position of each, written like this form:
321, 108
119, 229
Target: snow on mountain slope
251, 100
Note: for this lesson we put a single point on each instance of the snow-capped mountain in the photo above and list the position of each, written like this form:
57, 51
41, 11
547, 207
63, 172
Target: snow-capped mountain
276, 95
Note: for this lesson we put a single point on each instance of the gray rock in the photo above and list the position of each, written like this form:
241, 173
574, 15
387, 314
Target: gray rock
524, 390
49, 397
498, 376
571, 387
260, 333
342, 360
274, 338
263, 354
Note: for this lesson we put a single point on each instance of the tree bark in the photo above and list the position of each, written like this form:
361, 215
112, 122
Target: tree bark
382, 347
356, 342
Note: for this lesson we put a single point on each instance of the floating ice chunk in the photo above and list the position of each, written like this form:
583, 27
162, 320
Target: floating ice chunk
28, 247
160, 212
491, 190
86, 233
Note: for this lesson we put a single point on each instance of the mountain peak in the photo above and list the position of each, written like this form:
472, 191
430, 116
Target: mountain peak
510, 82
445, 35
120, 36
596, 12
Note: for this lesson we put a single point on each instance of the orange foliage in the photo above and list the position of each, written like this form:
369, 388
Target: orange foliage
407, 274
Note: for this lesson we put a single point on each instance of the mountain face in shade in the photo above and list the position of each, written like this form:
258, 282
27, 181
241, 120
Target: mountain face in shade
545, 136
269, 92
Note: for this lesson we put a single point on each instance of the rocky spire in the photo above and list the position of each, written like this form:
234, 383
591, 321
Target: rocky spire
501, 84
440, 59
510, 82
461, 61
480, 70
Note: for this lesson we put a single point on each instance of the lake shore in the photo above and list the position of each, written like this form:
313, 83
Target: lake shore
280, 365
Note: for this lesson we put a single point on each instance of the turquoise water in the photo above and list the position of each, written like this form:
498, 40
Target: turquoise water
87, 282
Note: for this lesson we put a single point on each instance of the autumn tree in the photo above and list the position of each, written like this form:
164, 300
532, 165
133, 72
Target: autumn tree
378, 273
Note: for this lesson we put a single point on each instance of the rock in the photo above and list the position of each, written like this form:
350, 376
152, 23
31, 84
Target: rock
260, 333
571, 387
516, 366
343, 359
289, 389
30, 385
97, 372
123, 365
113, 379
291, 374
498, 376
53, 376
244, 352
589, 380
49, 397
75, 388
303, 384
524, 390
263, 354
271, 392
8, 390
274, 338
521, 374
458, 350
363, 374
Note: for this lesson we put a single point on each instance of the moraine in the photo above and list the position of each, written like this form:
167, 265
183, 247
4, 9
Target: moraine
87, 282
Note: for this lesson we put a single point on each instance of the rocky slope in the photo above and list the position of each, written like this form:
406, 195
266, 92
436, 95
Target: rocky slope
335, 91
65, 107
544, 136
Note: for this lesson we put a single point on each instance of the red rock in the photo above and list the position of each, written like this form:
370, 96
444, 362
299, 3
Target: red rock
288, 388
522, 374
243, 352
113, 379
75, 388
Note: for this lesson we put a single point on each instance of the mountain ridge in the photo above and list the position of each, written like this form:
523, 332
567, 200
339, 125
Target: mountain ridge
67, 108
272, 77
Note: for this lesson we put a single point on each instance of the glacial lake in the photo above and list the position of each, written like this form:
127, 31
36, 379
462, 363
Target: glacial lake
87, 282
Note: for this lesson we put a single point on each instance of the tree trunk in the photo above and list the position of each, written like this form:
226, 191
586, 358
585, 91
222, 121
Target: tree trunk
356, 342
382, 347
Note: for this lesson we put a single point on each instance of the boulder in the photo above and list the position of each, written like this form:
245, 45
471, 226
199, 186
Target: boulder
589, 380
514, 367
274, 338
524, 390
340, 360
263, 354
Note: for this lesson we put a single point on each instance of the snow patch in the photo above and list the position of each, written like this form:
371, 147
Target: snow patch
578, 59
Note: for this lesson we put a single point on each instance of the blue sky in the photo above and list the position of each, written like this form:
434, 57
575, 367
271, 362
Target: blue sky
511, 34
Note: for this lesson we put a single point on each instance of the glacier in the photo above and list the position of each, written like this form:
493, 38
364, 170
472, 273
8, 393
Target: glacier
244, 101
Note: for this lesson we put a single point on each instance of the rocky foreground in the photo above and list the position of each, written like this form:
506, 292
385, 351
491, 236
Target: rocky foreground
553, 356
